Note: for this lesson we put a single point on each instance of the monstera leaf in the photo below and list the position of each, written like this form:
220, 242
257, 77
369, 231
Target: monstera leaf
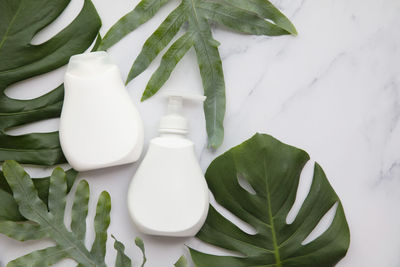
273, 170
257, 17
48, 221
182, 262
9, 207
20, 20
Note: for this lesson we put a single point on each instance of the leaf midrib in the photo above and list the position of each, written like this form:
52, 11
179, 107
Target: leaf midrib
207, 8
181, 13
208, 57
3, 40
29, 150
29, 111
271, 221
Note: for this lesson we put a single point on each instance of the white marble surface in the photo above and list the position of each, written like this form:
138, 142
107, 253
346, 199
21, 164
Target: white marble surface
333, 90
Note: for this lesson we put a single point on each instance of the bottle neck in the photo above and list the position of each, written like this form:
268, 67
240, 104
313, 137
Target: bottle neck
175, 105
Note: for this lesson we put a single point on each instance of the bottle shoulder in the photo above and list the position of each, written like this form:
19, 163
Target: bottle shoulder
171, 142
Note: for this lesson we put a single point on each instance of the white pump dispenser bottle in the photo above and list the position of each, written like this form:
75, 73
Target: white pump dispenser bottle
168, 195
99, 125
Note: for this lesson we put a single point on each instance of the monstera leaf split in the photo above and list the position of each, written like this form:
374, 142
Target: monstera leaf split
273, 170
20, 20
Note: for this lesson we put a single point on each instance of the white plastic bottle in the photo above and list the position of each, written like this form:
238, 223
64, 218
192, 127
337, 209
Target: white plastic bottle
168, 195
99, 125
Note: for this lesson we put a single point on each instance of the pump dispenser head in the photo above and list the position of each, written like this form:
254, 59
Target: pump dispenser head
174, 121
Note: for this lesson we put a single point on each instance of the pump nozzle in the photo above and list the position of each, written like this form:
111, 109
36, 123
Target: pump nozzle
174, 121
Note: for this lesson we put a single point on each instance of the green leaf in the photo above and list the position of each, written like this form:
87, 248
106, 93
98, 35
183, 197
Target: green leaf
49, 222
139, 243
57, 194
266, 10
44, 257
158, 41
20, 20
29, 203
122, 260
101, 223
167, 65
182, 262
212, 75
9, 207
272, 169
23, 231
42, 184
97, 43
144, 11
258, 17
239, 19
80, 209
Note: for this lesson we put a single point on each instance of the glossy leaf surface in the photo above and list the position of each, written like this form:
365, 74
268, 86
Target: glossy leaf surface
20, 21
182, 262
257, 17
272, 171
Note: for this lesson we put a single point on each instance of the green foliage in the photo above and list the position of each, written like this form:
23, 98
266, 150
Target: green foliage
245, 16
9, 207
144, 11
272, 169
20, 20
48, 221
182, 262
139, 243
122, 260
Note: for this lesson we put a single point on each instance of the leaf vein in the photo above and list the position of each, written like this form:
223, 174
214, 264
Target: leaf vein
10, 26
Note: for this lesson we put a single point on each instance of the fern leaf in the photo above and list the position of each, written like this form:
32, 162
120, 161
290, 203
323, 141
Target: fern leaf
139, 243
49, 221
122, 260
258, 17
